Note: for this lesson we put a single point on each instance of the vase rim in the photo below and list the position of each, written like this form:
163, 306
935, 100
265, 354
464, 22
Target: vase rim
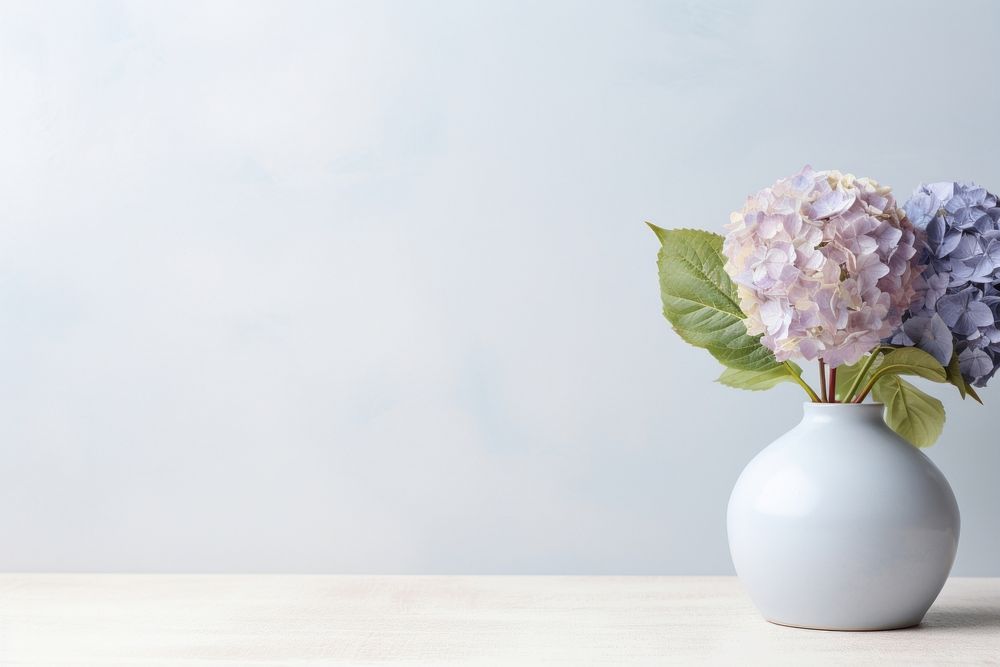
824, 406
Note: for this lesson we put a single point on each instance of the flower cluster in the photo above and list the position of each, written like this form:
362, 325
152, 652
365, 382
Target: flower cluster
960, 307
823, 265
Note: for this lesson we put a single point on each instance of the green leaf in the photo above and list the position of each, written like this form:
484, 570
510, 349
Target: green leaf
700, 300
954, 372
758, 380
955, 375
911, 361
917, 417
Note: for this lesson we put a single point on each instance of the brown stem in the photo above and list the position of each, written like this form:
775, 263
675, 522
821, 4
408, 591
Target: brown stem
864, 392
833, 385
822, 380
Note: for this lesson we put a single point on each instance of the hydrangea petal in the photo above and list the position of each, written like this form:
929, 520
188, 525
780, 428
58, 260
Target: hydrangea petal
977, 365
930, 334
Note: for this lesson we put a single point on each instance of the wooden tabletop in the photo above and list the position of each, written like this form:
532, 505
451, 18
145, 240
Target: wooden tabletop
306, 619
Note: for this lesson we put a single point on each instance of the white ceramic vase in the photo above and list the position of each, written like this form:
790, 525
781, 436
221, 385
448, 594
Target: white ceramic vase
840, 524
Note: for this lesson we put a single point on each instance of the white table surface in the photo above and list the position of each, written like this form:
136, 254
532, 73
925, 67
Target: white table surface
305, 619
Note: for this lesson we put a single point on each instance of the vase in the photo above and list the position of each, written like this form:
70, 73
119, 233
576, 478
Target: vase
840, 524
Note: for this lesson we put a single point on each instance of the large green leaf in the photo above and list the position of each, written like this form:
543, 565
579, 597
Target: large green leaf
911, 361
917, 417
700, 300
758, 380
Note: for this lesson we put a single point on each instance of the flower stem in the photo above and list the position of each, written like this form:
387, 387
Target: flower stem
864, 392
822, 381
871, 384
802, 383
849, 396
833, 385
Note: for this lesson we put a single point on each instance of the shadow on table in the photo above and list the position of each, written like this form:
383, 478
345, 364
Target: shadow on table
961, 617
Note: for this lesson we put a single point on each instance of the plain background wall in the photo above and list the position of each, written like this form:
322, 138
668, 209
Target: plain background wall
364, 287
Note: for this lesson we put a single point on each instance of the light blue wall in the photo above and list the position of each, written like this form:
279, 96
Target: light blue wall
366, 288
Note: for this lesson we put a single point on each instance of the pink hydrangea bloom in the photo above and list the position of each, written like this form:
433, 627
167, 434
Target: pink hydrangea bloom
823, 265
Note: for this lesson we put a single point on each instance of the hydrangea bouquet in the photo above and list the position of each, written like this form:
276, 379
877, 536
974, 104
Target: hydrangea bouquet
825, 267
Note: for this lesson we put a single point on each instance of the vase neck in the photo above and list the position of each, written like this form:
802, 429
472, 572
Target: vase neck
841, 413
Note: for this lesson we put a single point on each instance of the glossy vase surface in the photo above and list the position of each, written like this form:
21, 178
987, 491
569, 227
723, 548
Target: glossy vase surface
840, 524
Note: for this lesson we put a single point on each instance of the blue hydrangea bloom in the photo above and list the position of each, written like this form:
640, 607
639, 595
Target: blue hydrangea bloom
960, 308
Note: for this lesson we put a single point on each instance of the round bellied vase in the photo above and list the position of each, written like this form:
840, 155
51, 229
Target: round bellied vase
840, 524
